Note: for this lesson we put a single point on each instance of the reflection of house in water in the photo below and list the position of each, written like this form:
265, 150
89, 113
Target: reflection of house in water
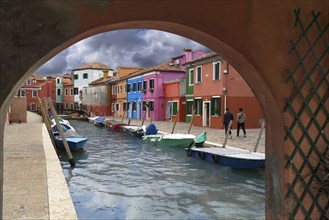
212, 85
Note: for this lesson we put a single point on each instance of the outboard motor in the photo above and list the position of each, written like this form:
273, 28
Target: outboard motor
151, 129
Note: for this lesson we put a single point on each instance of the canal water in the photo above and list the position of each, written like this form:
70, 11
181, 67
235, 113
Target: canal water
118, 176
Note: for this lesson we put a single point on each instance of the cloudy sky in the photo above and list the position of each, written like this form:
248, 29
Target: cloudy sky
135, 48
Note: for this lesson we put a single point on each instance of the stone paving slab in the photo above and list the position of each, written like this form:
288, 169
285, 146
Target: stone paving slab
27, 193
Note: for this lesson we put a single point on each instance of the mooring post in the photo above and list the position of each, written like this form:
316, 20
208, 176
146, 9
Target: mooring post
47, 123
227, 133
59, 128
260, 135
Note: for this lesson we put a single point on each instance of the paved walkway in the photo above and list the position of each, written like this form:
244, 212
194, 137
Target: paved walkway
34, 186
215, 137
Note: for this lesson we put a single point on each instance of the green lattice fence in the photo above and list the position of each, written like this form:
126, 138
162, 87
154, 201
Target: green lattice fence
306, 118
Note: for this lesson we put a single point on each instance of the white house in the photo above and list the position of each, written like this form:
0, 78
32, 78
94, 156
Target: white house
86, 74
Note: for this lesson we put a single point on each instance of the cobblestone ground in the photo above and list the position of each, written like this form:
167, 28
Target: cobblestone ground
215, 137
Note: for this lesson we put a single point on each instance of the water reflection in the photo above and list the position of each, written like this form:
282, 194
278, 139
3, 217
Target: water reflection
121, 177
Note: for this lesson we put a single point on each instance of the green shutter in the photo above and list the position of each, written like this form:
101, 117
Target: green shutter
218, 111
192, 77
212, 106
174, 108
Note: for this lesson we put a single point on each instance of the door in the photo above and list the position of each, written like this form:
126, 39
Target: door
206, 114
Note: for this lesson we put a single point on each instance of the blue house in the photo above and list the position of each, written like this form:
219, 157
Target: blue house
135, 97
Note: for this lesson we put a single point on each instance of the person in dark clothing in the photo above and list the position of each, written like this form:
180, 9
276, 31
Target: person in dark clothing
241, 120
228, 116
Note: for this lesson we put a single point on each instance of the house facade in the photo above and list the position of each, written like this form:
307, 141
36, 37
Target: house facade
119, 106
95, 96
84, 75
134, 97
37, 86
212, 85
175, 105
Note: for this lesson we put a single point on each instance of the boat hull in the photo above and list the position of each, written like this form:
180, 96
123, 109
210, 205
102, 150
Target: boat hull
240, 159
75, 144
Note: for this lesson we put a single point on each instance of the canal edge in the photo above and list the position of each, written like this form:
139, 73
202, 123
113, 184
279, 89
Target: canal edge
59, 198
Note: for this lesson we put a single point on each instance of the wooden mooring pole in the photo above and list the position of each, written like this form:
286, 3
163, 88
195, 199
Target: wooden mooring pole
59, 128
47, 123
227, 133
259, 136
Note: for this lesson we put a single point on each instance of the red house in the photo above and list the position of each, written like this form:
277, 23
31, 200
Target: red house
214, 85
37, 86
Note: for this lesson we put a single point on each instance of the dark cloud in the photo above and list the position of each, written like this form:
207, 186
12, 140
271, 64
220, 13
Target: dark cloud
134, 47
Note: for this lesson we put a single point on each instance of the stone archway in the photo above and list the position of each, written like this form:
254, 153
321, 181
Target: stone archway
253, 36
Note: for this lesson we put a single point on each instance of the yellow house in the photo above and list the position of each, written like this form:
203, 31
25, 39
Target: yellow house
117, 90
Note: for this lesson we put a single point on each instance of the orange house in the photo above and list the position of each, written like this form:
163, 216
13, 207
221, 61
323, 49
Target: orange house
174, 93
217, 86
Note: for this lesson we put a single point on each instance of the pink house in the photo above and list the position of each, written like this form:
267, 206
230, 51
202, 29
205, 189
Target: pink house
154, 79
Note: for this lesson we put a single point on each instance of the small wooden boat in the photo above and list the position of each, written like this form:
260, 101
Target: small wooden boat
99, 121
65, 127
75, 141
135, 130
176, 140
231, 157
116, 125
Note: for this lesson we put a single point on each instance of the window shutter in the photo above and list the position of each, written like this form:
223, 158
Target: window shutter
174, 106
212, 103
218, 111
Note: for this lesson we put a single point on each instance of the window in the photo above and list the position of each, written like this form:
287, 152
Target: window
71, 92
134, 87
120, 89
198, 106
34, 107
76, 91
85, 76
174, 108
125, 106
34, 94
66, 92
34, 81
58, 91
22, 93
144, 85
134, 106
28, 82
139, 86
128, 87
151, 103
199, 74
58, 81
189, 104
76, 76
216, 106
216, 71
144, 105
191, 77
151, 85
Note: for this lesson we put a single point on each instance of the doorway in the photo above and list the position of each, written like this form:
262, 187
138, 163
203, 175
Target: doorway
206, 114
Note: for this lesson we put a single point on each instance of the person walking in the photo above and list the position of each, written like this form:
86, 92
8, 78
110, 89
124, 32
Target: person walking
228, 117
241, 120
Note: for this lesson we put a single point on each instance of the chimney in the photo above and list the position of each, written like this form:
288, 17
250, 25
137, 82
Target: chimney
188, 54
106, 74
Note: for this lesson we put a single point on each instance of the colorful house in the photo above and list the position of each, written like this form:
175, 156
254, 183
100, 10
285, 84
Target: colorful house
174, 93
153, 82
37, 86
95, 97
134, 96
68, 95
84, 75
211, 86
119, 105
60, 82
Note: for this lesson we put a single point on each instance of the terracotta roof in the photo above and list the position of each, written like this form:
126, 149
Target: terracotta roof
100, 81
167, 66
98, 66
205, 56
66, 81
